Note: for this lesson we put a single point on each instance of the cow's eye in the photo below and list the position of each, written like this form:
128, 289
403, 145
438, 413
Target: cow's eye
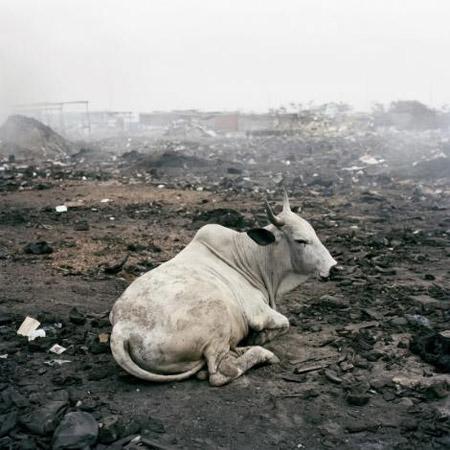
301, 241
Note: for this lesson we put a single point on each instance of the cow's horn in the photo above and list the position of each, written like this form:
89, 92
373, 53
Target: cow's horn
274, 220
286, 205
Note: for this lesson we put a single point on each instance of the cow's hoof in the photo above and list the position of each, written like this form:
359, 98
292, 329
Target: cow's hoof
219, 379
202, 375
272, 358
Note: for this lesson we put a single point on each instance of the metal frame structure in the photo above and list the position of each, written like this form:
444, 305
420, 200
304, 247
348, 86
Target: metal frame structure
43, 112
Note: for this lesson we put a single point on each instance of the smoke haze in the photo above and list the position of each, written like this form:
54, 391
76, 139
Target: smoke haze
250, 55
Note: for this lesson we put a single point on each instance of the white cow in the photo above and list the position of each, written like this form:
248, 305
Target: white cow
194, 310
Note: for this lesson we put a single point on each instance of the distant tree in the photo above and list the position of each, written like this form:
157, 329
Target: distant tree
412, 114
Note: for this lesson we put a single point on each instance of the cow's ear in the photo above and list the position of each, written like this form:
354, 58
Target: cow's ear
261, 236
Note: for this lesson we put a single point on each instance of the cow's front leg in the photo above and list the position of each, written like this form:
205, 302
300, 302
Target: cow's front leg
238, 361
267, 327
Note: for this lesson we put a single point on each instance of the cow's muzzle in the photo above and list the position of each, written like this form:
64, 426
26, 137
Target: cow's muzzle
333, 271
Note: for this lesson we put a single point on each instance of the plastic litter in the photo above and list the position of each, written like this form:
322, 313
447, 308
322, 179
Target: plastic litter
28, 326
36, 333
57, 362
58, 349
417, 319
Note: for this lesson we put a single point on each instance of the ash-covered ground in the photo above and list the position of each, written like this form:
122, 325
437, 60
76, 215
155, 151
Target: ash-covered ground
365, 364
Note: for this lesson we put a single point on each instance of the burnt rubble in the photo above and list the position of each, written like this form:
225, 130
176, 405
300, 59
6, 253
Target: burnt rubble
366, 361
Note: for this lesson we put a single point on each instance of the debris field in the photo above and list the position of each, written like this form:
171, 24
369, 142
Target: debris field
366, 362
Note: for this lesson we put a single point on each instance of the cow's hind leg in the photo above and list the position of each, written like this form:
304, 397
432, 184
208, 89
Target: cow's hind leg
237, 362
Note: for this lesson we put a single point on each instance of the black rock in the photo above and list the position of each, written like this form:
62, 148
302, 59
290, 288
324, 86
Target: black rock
77, 430
152, 425
357, 398
112, 269
99, 373
358, 394
6, 443
433, 348
222, 216
66, 379
11, 396
7, 422
77, 316
95, 346
44, 419
110, 430
5, 318
81, 225
437, 391
38, 248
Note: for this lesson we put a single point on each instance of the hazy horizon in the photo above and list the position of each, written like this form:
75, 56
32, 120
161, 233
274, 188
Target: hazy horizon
228, 55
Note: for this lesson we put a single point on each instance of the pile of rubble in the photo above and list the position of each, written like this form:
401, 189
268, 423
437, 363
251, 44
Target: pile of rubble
26, 138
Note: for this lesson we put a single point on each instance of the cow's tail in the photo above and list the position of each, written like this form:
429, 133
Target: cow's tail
119, 349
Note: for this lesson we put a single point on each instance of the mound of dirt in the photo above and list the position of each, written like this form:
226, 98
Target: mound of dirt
27, 138
173, 159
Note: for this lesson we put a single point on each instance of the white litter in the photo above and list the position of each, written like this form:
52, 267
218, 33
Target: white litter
161, 186
353, 168
105, 200
61, 208
4, 356
36, 333
59, 362
28, 326
370, 160
58, 349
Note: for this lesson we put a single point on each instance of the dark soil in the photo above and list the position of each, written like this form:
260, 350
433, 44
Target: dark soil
347, 378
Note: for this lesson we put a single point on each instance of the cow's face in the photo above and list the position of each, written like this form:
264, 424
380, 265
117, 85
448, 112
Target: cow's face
307, 254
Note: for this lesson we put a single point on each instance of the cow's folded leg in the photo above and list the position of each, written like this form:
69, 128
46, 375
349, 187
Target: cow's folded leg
232, 367
267, 335
274, 324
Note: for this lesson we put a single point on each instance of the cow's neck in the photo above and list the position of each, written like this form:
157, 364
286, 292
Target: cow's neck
273, 275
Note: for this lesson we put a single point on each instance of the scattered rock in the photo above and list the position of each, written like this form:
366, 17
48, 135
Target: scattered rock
418, 320
434, 348
333, 302
7, 422
38, 248
77, 317
115, 427
5, 318
222, 216
398, 321
77, 430
81, 225
358, 394
44, 419
115, 268
332, 376
437, 390
357, 398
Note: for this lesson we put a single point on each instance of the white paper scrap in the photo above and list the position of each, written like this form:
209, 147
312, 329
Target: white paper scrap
28, 326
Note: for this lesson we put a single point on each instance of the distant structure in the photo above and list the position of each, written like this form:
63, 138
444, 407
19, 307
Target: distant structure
56, 115
217, 121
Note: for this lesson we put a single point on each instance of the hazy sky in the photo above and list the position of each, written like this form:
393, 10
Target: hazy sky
215, 54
